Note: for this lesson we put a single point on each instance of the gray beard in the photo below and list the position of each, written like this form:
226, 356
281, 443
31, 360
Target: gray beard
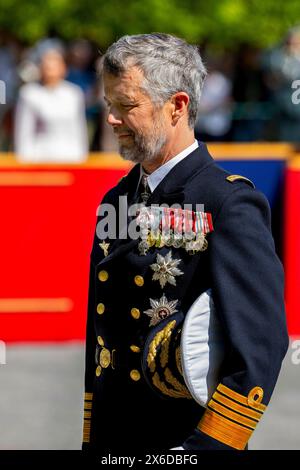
143, 149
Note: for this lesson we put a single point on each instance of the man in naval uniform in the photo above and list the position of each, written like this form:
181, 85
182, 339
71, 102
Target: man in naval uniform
186, 329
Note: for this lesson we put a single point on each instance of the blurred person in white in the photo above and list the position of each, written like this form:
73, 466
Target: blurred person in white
50, 123
215, 110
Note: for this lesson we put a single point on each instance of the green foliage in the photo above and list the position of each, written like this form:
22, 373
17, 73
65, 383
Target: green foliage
222, 22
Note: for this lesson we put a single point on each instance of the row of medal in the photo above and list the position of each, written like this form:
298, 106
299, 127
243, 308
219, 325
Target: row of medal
177, 228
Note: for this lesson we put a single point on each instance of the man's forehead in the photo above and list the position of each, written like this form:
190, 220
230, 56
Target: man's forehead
126, 83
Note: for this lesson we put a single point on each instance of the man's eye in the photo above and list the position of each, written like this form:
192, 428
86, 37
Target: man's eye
127, 106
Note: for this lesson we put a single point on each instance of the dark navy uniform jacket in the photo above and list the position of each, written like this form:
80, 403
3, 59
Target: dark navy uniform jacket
122, 409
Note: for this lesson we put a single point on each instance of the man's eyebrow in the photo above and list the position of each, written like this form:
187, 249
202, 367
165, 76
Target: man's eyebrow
130, 101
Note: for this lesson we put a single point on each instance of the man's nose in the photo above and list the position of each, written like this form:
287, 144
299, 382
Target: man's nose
114, 118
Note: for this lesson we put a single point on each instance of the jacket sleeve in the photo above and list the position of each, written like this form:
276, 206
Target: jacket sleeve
247, 287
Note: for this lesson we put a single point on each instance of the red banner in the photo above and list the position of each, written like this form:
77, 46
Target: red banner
48, 218
292, 246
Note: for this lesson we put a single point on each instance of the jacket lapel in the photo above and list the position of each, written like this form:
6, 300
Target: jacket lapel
172, 187
126, 188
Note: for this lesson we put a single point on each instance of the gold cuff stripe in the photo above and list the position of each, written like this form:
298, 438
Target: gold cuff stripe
236, 407
88, 396
87, 414
88, 405
232, 415
225, 431
240, 398
86, 430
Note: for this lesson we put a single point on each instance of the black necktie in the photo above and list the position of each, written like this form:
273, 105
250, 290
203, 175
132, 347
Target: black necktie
144, 190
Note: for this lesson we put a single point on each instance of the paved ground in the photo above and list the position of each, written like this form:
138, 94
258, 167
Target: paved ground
41, 391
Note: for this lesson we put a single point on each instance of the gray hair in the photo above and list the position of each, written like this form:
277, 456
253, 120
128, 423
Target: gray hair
169, 65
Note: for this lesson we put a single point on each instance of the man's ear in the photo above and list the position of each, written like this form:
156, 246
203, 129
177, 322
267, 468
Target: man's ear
180, 103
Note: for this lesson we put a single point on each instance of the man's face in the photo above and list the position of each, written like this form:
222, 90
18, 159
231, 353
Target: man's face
141, 128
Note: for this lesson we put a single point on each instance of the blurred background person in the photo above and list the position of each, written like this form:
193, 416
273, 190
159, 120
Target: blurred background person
81, 57
104, 139
282, 66
252, 107
215, 108
82, 60
10, 50
50, 123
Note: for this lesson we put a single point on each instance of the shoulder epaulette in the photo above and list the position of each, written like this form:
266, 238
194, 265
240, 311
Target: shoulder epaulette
233, 178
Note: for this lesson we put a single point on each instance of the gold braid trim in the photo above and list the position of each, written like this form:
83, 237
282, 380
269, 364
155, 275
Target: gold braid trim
158, 338
164, 355
153, 350
253, 400
178, 360
164, 389
176, 384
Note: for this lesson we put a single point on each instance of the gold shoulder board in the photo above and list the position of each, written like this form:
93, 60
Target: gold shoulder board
233, 178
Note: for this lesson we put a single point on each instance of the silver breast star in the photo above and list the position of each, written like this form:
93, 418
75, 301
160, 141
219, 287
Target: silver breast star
161, 309
165, 269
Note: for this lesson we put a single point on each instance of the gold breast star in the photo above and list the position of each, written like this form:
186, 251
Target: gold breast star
104, 246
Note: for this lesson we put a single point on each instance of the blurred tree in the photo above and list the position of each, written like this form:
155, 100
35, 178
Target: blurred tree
222, 22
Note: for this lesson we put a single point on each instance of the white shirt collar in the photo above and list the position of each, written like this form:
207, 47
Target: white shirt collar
158, 175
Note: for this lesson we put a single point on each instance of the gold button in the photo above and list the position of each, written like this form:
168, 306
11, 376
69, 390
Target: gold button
103, 276
100, 340
139, 281
135, 375
98, 371
135, 313
104, 358
135, 348
100, 308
